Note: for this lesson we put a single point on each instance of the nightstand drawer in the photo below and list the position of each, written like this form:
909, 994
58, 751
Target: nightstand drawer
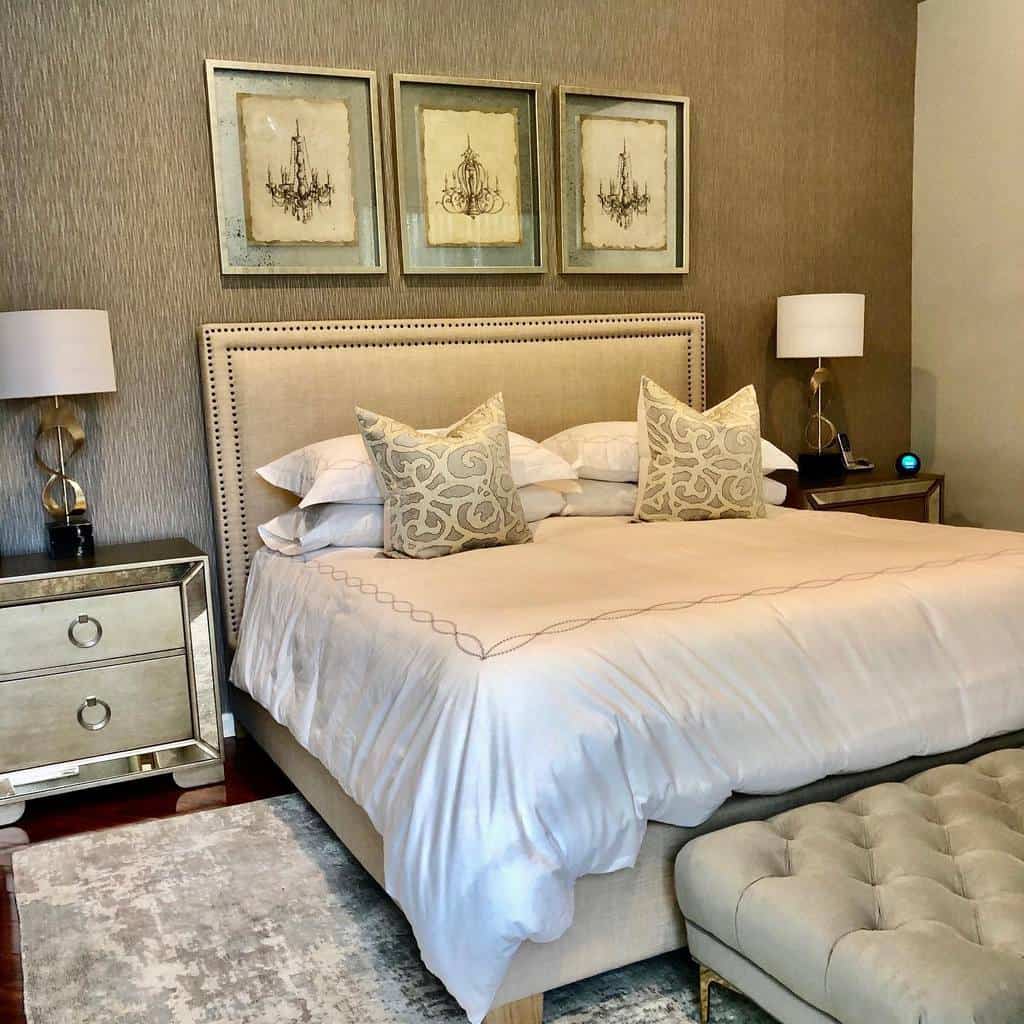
91, 712
73, 631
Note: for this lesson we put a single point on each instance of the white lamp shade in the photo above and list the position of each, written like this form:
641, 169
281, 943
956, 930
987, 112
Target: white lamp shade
55, 352
816, 326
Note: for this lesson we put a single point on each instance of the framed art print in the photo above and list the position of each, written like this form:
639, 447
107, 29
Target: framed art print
468, 169
623, 190
296, 161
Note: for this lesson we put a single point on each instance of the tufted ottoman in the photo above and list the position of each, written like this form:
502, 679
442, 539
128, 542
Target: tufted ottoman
900, 904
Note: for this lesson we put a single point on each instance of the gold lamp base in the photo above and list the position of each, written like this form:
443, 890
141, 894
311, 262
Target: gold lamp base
820, 431
817, 463
69, 535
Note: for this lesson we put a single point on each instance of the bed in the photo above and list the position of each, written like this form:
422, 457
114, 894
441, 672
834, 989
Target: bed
484, 731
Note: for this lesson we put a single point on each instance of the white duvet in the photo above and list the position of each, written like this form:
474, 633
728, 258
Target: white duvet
511, 718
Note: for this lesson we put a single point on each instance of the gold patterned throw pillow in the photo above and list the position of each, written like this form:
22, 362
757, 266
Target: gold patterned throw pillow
446, 492
698, 465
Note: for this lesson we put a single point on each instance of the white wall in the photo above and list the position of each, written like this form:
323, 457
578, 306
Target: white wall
968, 289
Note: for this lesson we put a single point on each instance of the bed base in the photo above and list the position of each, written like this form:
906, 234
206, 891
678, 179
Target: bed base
622, 917
523, 1011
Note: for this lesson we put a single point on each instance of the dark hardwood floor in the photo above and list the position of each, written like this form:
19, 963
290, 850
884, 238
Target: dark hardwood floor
249, 775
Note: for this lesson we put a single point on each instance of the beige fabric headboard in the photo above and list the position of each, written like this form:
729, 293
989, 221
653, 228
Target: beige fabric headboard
271, 388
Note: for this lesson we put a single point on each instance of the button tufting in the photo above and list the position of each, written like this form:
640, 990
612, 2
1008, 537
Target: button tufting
946, 864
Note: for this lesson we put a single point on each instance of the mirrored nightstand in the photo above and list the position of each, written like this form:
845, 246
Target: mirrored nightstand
107, 672
877, 493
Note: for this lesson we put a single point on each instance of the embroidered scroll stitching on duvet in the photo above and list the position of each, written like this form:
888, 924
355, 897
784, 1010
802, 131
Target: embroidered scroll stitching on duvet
472, 645
445, 627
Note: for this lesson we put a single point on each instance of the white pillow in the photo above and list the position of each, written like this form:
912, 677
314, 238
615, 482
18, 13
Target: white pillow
774, 492
609, 498
350, 525
343, 461
340, 470
532, 463
601, 498
599, 451
610, 451
540, 501
773, 458
300, 530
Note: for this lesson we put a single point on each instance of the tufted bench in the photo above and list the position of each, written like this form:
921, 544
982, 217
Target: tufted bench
900, 904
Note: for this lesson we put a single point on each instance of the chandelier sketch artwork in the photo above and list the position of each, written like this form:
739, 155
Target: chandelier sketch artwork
624, 200
299, 190
467, 190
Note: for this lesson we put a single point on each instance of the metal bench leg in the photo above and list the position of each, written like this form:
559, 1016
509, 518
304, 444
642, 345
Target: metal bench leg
708, 978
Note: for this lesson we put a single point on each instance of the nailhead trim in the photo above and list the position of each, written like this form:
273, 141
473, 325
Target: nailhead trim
386, 325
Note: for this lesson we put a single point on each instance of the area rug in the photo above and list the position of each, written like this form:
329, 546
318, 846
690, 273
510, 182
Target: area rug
256, 914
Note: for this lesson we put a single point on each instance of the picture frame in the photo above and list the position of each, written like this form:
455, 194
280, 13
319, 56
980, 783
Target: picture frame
623, 182
468, 168
302, 201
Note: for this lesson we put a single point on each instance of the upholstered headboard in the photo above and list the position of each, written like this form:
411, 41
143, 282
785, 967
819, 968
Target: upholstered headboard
271, 388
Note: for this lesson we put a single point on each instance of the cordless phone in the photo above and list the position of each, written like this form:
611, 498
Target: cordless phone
851, 463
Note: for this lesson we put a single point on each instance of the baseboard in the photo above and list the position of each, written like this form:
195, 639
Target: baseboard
228, 724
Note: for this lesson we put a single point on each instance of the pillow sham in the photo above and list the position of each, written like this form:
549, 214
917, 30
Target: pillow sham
773, 492
698, 465
446, 493
610, 451
340, 469
532, 463
599, 451
301, 530
540, 501
607, 498
341, 463
773, 459
601, 498
348, 525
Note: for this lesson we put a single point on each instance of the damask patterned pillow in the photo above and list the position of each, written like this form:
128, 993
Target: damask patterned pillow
698, 465
447, 492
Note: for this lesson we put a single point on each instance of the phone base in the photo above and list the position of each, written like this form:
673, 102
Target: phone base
821, 466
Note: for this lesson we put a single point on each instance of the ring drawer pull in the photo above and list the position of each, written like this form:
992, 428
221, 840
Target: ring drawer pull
93, 724
87, 640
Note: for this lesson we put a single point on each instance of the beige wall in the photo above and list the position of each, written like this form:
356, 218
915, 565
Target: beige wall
801, 180
968, 380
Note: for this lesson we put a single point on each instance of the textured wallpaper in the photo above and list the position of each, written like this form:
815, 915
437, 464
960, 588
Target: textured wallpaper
802, 126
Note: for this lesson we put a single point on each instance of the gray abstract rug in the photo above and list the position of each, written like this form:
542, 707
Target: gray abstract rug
256, 914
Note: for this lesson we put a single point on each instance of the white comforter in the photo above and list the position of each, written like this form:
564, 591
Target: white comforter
510, 719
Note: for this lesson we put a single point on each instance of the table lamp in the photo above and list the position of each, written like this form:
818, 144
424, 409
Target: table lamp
820, 327
55, 352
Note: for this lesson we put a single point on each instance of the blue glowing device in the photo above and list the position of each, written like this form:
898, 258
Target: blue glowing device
908, 464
